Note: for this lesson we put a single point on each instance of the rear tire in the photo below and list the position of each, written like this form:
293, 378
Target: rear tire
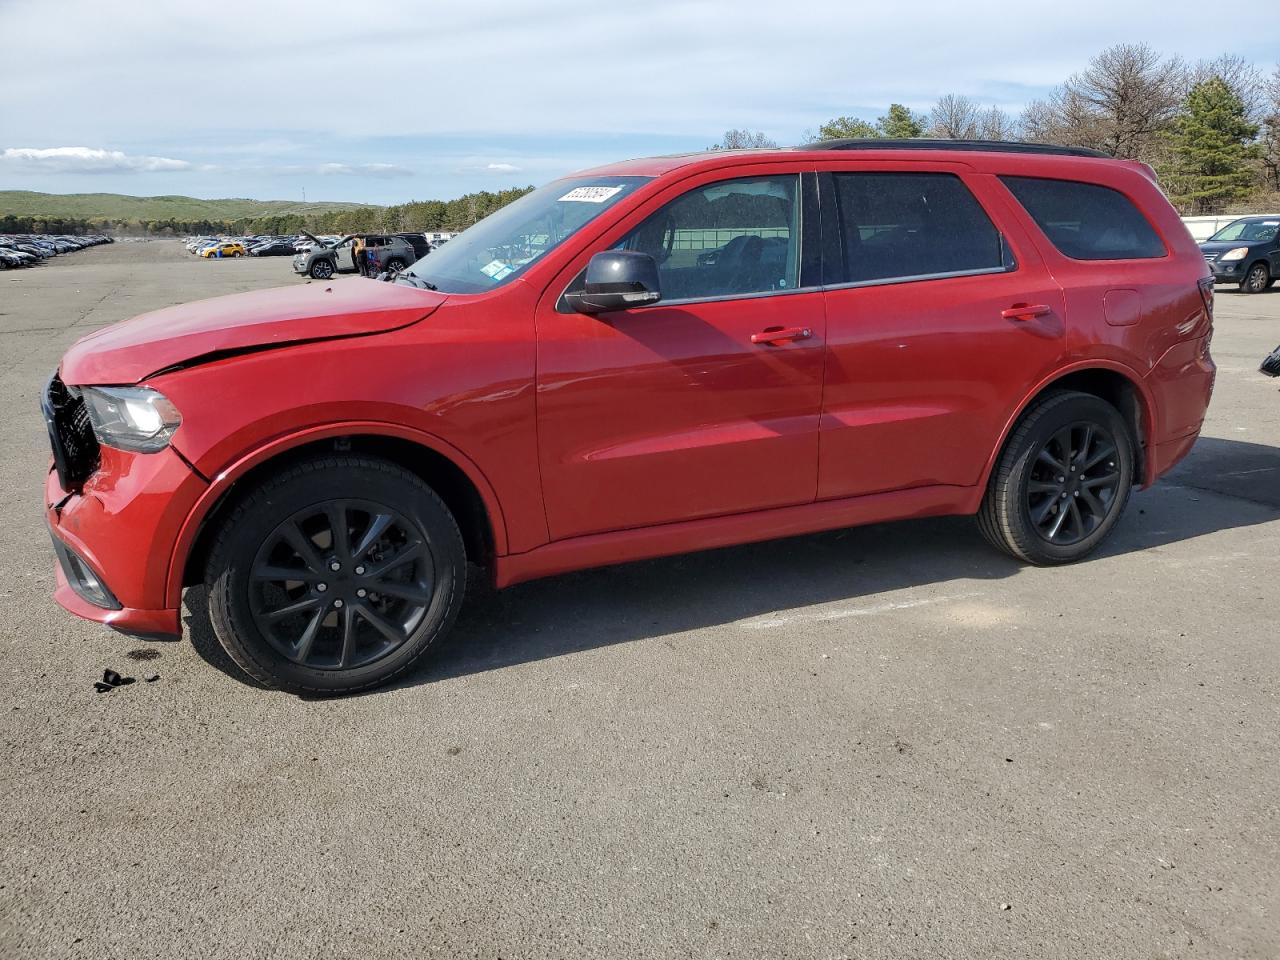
1256, 280
395, 265
1068, 443
335, 575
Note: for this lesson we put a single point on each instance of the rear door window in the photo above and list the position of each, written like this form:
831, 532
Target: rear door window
1087, 221
901, 226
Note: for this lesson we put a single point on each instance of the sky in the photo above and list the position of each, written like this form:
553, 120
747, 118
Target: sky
388, 102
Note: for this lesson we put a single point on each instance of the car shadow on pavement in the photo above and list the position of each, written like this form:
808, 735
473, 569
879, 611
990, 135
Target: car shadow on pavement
586, 610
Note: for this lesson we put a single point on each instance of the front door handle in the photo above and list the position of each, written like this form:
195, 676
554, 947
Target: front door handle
1026, 311
772, 335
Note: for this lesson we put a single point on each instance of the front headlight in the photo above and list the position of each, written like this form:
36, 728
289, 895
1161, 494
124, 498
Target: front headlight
131, 418
1239, 253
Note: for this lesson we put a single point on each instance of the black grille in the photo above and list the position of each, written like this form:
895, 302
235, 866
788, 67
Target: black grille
75, 448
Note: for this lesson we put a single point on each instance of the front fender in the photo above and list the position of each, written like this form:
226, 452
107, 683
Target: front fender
222, 483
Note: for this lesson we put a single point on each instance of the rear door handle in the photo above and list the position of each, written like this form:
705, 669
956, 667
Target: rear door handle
1026, 311
772, 335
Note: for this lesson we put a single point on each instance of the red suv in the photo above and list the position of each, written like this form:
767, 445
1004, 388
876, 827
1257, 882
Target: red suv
652, 357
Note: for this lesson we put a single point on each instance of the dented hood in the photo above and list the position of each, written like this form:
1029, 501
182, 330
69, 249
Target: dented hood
192, 332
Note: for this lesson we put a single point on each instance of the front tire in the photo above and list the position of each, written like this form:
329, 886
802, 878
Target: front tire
1256, 280
321, 270
335, 575
1062, 480
395, 265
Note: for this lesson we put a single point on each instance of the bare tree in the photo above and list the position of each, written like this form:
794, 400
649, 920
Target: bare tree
1270, 146
743, 140
954, 117
1244, 79
1064, 118
1120, 104
1134, 94
995, 124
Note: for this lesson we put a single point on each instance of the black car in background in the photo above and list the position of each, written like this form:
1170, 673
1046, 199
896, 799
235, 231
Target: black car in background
421, 246
280, 247
1246, 252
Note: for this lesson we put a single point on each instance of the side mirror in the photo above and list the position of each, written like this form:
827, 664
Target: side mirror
616, 280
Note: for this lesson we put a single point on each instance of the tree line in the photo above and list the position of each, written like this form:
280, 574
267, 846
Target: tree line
1211, 130
416, 215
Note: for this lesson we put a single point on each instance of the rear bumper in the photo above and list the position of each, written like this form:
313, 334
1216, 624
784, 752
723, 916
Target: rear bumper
120, 530
1181, 384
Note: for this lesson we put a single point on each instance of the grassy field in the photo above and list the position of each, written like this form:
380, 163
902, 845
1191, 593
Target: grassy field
115, 206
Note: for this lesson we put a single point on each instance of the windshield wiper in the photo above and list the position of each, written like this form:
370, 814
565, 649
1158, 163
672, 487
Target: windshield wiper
414, 281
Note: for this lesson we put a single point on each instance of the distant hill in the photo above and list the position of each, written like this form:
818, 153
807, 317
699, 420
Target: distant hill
117, 206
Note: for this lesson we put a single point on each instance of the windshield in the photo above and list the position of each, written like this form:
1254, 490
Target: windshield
1250, 231
499, 248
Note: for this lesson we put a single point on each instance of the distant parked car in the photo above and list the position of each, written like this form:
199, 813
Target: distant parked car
226, 249
1245, 252
421, 246
323, 261
282, 247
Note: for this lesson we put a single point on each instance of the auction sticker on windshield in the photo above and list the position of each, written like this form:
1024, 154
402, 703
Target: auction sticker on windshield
497, 269
590, 194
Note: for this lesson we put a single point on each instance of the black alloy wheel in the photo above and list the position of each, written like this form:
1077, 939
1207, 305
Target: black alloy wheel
1073, 483
341, 584
1061, 481
335, 574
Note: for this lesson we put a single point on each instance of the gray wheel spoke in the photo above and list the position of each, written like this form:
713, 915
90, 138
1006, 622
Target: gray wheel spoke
292, 608
1063, 439
1042, 513
1057, 523
268, 572
377, 527
1087, 442
337, 515
1047, 458
1106, 478
407, 591
1107, 451
350, 634
381, 623
1042, 486
1095, 505
409, 551
303, 647
1073, 508
304, 547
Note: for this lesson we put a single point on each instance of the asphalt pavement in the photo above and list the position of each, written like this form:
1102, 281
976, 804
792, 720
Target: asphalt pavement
883, 742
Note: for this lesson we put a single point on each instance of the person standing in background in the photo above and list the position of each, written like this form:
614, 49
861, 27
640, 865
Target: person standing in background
359, 255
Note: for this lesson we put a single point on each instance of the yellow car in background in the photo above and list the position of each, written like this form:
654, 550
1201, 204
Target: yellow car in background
230, 249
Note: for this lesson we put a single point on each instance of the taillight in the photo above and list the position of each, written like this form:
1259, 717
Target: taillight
1206, 294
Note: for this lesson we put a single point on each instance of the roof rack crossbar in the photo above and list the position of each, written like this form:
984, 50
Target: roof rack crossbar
925, 143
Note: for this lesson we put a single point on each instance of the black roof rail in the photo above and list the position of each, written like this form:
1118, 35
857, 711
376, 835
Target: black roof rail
926, 143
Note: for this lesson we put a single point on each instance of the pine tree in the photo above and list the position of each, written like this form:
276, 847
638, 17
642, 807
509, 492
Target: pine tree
1212, 149
900, 123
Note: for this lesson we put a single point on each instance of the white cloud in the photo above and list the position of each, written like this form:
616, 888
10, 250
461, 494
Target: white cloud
502, 167
86, 160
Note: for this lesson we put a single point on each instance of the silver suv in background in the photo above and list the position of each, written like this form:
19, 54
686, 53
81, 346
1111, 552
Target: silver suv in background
323, 260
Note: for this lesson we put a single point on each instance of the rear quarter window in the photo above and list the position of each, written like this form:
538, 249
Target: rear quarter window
1086, 221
